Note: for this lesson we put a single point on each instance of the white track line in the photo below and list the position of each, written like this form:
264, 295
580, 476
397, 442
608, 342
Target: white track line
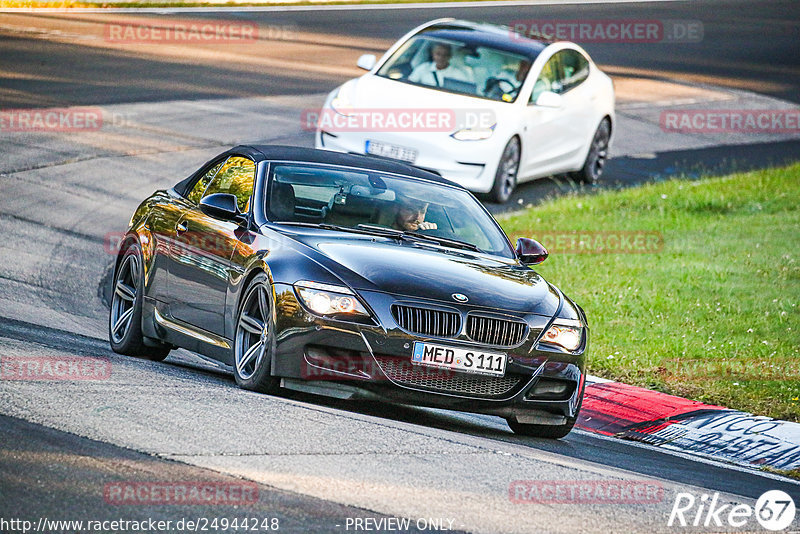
597, 380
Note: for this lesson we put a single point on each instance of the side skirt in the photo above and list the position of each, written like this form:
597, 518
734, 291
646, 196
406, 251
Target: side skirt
158, 325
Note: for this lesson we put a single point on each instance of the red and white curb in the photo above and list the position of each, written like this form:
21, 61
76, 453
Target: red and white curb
678, 424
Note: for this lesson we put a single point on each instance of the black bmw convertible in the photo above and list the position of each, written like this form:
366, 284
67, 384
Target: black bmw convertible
354, 277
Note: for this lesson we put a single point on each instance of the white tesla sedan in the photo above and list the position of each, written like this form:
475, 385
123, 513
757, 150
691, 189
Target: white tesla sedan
478, 104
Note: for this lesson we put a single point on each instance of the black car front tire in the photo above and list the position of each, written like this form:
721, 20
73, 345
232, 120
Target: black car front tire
254, 341
125, 315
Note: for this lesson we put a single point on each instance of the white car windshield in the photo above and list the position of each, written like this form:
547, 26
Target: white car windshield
458, 66
373, 202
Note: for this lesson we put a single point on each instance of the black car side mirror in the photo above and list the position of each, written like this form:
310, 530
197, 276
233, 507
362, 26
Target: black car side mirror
530, 251
220, 206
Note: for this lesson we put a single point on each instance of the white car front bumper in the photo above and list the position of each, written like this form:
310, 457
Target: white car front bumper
471, 164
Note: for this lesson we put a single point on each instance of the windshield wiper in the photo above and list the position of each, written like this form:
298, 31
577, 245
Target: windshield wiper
326, 226
391, 232
370, 229
381, 230
455, 243
336, 227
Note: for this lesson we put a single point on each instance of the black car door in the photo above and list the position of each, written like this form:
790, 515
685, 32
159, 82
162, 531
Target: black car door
200, 263
163, 224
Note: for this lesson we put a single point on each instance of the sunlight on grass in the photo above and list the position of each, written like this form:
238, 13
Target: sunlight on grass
713, 315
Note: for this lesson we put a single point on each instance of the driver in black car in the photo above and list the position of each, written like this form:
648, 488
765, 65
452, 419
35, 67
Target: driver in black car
504, 83
410, 215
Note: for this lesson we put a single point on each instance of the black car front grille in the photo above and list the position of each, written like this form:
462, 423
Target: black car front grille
492, 331
446, 381
427, 321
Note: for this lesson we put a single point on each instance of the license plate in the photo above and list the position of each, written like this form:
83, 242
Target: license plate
460, 359
377, 148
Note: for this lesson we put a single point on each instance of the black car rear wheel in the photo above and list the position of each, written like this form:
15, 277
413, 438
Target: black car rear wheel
125, 316
254, 343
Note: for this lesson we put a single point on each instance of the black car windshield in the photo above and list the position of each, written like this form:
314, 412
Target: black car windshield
458, 64
369, 202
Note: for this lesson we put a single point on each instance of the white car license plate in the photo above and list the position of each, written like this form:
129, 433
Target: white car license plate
377, 148
459, 359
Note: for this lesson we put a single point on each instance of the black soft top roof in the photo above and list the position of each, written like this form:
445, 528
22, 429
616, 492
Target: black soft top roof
313, 155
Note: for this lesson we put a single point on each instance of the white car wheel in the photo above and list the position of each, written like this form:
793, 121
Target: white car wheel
595, 162
505, 179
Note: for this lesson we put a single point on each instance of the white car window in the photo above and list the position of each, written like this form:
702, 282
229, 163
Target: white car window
548, 80
458, 67
574, 68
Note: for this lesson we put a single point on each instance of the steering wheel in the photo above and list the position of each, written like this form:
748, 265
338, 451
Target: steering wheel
502, 85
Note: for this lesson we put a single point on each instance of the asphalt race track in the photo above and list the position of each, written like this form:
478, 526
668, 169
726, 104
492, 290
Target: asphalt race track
316, 462
745, 45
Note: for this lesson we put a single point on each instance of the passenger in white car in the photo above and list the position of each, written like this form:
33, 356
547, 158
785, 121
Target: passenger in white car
435, 72
507, 82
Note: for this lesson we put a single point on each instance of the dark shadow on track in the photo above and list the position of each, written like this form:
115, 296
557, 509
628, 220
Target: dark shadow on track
637, 458
47, 473
629, 171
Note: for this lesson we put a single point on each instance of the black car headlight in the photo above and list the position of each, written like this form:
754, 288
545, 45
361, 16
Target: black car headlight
564, 333
330, 300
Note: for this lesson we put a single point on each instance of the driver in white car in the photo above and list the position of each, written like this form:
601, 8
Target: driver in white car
434, 72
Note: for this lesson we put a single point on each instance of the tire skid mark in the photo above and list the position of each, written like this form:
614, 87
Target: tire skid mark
51, 337
67, 231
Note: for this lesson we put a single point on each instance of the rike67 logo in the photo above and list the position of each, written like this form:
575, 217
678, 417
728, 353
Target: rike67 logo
774, 510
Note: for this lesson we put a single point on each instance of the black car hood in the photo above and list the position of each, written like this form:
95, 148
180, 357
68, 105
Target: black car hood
431, 272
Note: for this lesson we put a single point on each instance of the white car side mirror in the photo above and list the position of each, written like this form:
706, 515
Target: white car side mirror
549, 99
366, 62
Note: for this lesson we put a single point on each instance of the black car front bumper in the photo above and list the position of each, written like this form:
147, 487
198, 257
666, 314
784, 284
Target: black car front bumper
374, 361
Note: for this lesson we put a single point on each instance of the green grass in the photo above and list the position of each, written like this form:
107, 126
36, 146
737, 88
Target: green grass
791, 473
713, 315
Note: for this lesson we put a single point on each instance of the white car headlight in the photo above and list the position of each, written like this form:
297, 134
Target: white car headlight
473, 134
329, 300
341, 104
565, 333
